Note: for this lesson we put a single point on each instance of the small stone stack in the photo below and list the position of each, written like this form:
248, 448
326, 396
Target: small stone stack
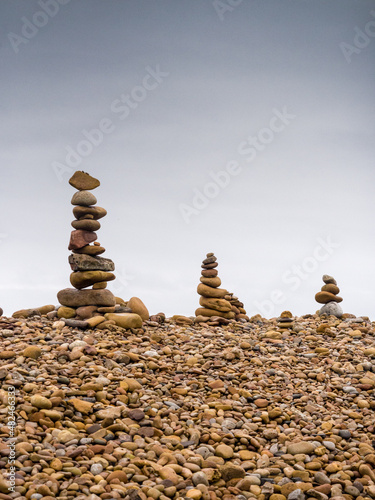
329, 297
237, 307
89, 270
212, 297
285, 320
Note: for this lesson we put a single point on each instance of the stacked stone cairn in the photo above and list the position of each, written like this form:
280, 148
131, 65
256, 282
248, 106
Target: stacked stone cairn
212, 300
89, 303
237, 307
285, 320
329, 297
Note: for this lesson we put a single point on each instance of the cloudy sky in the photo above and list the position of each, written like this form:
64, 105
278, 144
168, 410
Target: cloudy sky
244, 128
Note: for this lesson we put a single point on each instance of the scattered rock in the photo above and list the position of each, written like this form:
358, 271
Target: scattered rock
138, 307
303, 447
231, 471
40, 402
81, 405
125, 320
66, 312
224, 451
38, 311
32, 351
7, 354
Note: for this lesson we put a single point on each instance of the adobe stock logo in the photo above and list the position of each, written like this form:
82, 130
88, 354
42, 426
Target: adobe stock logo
122, 281
120, 108
223, 6
295, 275
40, 18
361, 40
249, 149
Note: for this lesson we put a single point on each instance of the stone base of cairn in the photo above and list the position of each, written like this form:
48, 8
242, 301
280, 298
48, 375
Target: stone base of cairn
212, 300
329, 297
285, 320
237, 307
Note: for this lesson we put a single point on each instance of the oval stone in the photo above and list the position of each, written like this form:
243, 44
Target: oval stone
84, 198
203, 311
86, 224
325, 297
216, 304
83, 279
75, 298
96, 212
210, 292
125, 320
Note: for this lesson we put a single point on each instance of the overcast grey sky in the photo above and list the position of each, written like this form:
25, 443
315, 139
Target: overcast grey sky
279, 94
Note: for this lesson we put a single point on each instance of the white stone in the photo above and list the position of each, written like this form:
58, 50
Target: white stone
96, 469
331, 309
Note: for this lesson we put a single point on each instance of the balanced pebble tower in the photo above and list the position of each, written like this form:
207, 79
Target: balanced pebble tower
212, 300
329, 297
285, 320
90, 273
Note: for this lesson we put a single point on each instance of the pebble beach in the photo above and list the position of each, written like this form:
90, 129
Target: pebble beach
180, 409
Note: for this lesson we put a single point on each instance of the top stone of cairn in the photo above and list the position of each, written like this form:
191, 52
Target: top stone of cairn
329, 280
83, 181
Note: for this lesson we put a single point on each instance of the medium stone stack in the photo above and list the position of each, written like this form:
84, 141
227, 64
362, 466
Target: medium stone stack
237, 307
212, 297
91, 273
329, 297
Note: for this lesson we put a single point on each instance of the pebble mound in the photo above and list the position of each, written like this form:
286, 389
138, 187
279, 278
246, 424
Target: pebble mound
237, 411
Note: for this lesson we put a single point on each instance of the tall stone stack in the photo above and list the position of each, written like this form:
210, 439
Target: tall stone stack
237, 307
212, 300
328, 296
90, 273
